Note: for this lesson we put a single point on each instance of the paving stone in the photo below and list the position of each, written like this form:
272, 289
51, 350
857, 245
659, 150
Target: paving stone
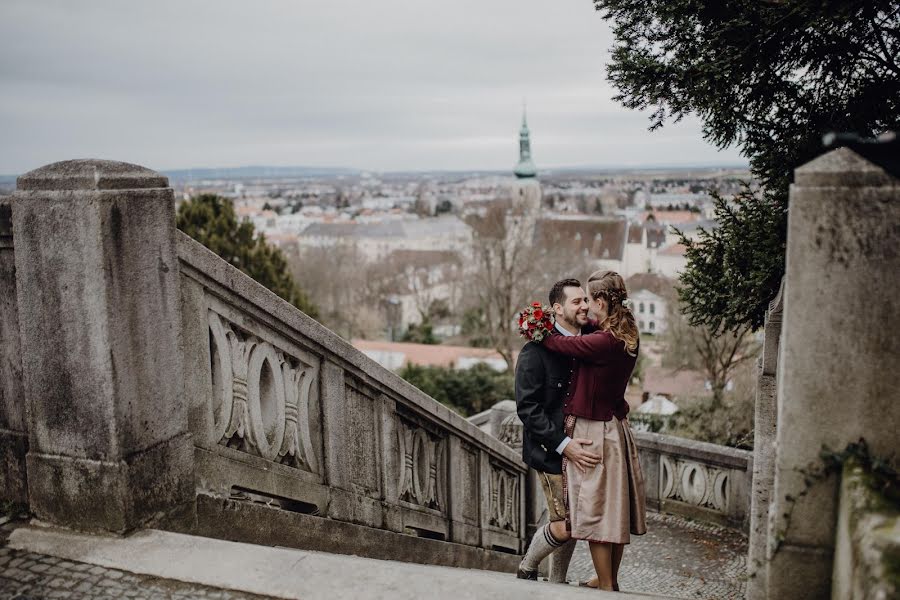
678, 558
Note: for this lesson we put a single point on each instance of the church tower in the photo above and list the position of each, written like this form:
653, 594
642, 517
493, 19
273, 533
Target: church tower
526, 191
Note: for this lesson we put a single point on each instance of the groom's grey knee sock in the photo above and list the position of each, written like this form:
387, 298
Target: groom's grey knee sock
542, 545
559, 562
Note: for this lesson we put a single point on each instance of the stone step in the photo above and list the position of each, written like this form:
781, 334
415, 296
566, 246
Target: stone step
283, 572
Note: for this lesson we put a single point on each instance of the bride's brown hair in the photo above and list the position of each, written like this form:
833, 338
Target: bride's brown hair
619, 321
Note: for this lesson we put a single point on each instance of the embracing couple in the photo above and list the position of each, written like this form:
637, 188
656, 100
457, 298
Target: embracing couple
570, 395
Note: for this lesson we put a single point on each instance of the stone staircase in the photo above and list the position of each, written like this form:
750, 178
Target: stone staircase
215, 568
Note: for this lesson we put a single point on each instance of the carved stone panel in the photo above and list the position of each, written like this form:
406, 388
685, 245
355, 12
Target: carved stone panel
504, 498
694, 483
422, 471
363, 416
261, 396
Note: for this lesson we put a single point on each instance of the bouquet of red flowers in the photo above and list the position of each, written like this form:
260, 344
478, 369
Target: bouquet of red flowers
536, 322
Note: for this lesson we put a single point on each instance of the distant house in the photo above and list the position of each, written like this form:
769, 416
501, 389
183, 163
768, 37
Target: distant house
376, 240
651, 294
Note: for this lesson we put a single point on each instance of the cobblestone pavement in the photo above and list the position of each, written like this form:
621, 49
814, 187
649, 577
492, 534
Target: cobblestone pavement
27, 576
680, 558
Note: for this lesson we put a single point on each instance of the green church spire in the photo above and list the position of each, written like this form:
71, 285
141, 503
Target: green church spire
526, 167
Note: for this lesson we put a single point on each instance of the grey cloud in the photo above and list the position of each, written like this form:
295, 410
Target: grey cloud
384, 85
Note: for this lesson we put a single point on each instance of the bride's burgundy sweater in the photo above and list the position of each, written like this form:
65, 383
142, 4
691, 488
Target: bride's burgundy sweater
601, 374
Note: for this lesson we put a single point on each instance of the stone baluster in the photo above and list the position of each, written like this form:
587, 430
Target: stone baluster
839, 348
99, 315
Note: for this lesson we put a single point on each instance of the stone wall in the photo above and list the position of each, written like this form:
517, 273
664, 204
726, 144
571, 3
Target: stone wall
696, 479
165, 387
13, 430
838, 350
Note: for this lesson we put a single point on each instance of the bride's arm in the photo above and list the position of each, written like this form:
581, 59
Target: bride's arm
594, 347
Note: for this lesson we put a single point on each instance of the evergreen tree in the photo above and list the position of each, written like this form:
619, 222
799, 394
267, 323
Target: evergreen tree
467, 391
211, 220
770, 77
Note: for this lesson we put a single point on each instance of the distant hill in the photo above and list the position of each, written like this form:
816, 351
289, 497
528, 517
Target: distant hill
257, 172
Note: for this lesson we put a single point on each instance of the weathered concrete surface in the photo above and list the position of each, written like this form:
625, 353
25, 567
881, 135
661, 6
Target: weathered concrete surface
13, 430
98, 306
839, 340
281, 572
867, 550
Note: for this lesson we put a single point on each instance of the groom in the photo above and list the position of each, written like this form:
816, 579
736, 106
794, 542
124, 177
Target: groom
542, 380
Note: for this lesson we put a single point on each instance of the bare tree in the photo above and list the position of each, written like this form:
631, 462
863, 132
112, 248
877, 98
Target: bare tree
509, 271
699, 348
345, 286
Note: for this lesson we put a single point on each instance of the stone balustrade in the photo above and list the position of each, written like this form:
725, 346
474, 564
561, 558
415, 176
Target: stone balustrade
163, 386
283, 410
696, 479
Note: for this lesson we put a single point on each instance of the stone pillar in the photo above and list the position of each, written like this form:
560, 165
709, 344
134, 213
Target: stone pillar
13, 433
99, 319
764, 430
839, 348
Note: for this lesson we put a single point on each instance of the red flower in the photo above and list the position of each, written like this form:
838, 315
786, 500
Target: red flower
536, 304
538, 314
548, 324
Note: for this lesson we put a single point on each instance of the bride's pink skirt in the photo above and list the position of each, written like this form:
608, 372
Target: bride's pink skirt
606, 503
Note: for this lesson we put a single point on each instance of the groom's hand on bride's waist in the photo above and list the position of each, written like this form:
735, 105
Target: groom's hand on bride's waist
578, 455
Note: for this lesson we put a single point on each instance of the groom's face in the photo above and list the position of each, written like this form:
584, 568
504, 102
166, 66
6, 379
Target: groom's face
574, 311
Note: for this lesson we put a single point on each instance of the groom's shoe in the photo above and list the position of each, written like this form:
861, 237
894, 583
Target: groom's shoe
528, 574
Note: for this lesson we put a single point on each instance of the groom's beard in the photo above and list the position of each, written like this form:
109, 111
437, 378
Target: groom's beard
572, 321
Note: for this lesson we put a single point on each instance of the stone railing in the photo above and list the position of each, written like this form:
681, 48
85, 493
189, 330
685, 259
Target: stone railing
283, 410
163, 386
696, 479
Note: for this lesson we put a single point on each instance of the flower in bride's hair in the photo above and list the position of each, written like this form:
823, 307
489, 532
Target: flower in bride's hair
628, 303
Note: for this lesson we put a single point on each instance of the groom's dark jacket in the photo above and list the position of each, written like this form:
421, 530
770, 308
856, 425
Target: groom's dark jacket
542, 379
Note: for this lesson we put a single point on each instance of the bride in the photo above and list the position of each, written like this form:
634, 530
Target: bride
606, 504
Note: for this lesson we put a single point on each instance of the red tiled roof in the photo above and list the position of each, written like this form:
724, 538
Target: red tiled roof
673, 250
654, 282
674, 384
427, 354
600, 238
670, 217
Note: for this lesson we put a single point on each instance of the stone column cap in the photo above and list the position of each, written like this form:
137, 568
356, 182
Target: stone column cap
91, 174
844, 167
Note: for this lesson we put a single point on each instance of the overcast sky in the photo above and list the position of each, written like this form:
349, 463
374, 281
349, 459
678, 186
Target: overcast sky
386, 85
